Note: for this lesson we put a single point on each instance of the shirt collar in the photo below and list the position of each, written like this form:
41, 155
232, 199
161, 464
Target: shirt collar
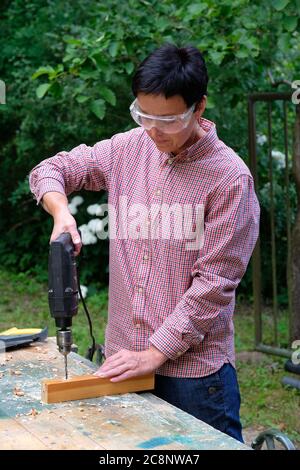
199, 148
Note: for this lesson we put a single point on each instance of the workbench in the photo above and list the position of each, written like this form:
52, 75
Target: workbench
130, 421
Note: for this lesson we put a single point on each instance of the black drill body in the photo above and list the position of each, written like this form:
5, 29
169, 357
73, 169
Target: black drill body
63, 290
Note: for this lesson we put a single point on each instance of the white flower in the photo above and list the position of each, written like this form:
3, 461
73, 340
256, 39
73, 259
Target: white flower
77, 200
95, 209
261, 139
72, 208
95, 225
87, 237
84, 291
279, 157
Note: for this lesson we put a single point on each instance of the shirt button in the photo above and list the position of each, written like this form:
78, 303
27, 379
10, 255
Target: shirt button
179, 354
137, 325
141, 289
158, 192
170, 161
145, 257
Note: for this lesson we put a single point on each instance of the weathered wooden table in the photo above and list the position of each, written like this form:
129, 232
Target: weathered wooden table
131, 421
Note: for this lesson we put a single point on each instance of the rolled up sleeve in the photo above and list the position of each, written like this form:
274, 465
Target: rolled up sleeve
231, 228
83, 167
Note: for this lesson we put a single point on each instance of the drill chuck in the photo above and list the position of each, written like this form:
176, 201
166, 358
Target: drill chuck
64, 341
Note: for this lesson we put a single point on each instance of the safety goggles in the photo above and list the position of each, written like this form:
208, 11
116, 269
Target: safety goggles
166, 124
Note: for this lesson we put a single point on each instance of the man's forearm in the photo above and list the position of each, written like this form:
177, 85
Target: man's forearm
54, 203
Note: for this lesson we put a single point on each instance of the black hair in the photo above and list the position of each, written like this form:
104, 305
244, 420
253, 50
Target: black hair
172, 70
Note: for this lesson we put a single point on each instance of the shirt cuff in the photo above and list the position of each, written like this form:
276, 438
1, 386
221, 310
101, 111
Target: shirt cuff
47, 185
168, 343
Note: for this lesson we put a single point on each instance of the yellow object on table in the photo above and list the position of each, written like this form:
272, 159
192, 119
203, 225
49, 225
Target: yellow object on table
20, 331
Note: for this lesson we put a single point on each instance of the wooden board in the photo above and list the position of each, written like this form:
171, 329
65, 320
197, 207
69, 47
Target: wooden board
90, 386
127, 421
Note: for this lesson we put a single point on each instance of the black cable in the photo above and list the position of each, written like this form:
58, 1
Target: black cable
92, 348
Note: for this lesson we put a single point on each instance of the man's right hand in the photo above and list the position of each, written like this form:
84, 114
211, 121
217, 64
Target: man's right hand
65, 222
56, 204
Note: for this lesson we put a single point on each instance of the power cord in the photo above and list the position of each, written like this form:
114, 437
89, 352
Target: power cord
94, 346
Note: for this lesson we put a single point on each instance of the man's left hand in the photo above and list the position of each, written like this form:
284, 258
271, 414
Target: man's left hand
125, 364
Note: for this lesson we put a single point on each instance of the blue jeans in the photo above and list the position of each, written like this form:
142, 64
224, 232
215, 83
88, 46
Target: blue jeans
214, 399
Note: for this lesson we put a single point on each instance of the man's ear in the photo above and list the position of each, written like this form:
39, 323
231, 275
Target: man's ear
201, 106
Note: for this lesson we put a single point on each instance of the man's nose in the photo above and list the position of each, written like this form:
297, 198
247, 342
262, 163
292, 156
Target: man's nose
155, 132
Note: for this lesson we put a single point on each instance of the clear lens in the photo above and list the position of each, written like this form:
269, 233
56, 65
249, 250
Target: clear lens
168, 127
166, 124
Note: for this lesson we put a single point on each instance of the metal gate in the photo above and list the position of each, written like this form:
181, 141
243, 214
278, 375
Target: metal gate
282, 102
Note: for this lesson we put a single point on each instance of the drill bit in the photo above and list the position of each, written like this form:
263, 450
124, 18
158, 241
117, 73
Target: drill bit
66, 367
64, 342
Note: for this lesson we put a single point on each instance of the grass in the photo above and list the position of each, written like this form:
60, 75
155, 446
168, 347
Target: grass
24, 304
265, 402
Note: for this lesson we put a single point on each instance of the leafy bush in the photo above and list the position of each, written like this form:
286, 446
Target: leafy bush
68, 68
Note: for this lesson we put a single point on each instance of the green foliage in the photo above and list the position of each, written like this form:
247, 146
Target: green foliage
68, 69
24, 304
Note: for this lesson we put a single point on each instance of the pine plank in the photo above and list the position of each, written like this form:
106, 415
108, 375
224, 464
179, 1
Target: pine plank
91, 386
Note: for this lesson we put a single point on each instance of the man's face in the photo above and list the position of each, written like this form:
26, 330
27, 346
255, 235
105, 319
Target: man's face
158, 105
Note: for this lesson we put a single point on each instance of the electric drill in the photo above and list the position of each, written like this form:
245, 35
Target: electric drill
63, 291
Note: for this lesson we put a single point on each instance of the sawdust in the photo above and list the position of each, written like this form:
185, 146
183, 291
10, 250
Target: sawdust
7, 358
18, 392
14, 372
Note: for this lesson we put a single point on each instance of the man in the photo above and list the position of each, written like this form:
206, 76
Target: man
171, 297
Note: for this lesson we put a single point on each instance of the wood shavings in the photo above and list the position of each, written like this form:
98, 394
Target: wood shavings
6, 358
32, 412
14, 372
18, 392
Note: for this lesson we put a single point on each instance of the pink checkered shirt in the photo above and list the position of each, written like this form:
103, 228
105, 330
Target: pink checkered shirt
161, 293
